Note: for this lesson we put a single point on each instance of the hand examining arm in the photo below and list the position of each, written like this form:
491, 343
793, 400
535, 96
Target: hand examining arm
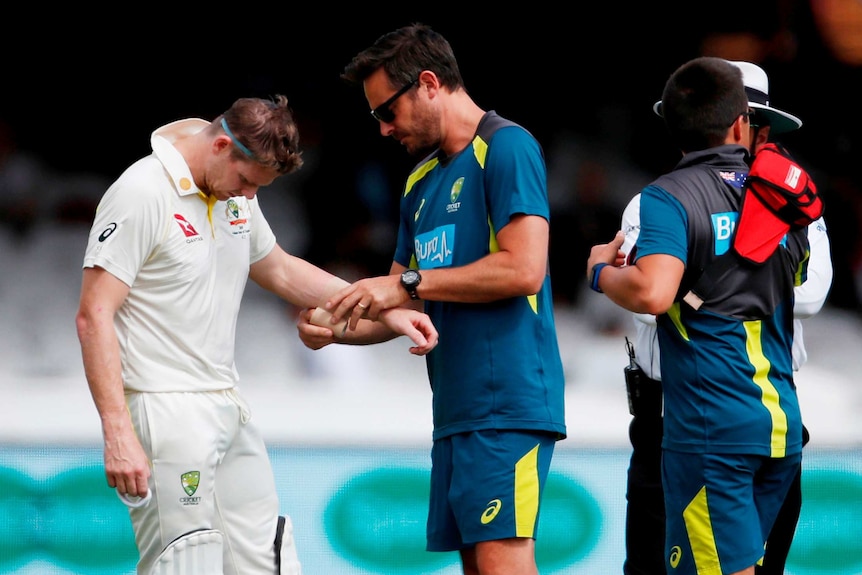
415, 325
126, 465
390, 324
307, 286
367, 298
517, 268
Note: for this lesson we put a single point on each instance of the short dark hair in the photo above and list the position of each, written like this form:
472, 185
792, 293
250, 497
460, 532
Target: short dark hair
267, 130
701, 100
403, 54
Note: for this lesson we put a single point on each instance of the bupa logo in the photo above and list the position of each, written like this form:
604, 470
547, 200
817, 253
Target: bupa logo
188, 229
434, 249
723, 225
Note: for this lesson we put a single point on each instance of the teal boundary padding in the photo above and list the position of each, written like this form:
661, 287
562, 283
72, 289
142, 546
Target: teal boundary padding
361, 511
69, 519
829, 533
377, 521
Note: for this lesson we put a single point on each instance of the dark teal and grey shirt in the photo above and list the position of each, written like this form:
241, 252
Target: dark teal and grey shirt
726, 368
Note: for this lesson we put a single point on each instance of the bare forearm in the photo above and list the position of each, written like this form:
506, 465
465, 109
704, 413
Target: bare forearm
649, 286
126, 464
368, 332
491, 278
101, 357
294, 279
517, 267
626, 288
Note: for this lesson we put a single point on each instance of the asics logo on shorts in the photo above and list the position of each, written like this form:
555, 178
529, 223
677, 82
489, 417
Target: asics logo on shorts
491, 512
675, 556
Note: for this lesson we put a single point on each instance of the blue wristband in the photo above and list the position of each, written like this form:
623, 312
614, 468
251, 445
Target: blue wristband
594, 277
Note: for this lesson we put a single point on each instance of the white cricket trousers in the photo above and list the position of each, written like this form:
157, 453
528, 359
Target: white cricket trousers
210, 470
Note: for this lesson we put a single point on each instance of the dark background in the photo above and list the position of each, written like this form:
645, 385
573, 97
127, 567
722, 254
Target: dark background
83, 91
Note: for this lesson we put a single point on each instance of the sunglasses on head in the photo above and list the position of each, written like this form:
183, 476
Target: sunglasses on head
382, 112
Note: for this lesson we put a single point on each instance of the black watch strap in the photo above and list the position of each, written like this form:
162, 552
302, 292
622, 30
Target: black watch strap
411, 279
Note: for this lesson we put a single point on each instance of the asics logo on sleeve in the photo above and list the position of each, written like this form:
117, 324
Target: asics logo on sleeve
108, 231
419, 209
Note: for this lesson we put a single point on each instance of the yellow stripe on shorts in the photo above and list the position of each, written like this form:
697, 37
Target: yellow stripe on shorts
526, 493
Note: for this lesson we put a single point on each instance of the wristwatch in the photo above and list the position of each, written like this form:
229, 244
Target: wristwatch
411, 279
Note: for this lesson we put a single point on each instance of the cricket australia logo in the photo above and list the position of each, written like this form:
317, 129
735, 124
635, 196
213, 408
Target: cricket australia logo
232, 209
236, 217
454, 205
190, 481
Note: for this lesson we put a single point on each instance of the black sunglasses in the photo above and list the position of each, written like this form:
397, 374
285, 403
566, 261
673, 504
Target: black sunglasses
756, 120
748, 115
382, 112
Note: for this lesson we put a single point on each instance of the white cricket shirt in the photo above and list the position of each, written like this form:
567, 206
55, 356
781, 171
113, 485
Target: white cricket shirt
186, 265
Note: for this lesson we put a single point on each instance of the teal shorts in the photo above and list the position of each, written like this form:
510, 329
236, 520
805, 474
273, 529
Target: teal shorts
486, 485
720, 508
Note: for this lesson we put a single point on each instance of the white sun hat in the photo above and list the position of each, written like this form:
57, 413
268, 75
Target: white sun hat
757, 87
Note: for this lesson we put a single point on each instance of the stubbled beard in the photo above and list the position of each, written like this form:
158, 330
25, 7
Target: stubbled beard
425, 124
422, 151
